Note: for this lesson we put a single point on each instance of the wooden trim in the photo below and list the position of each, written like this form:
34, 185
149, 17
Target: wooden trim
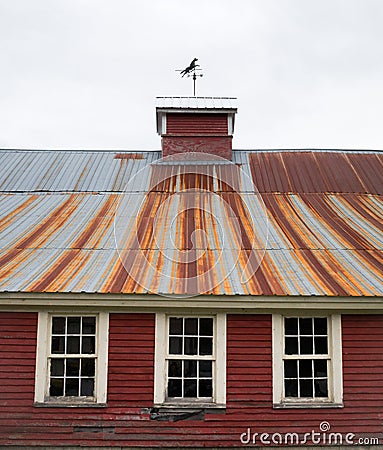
232, 304
41, 372
159, 359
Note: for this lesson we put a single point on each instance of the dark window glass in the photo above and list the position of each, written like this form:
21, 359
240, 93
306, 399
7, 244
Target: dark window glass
72, 367
305, 368
291, 388
291, 370
175, 345
321, 345
73, 344
206, 327
191, 326
87, 387
306, 388
306, 326
57, 367
320, 325
291, 326
175, 368
205, 369
58, 325
56, 387
175, 325
205, 388
88, 325
58, 345
206, 346
190, 388
175, 388
88, 345
306, 346
320, 368
72, 386
191, 345
190, 369
321, 389
291, 346
73, 325
88, 367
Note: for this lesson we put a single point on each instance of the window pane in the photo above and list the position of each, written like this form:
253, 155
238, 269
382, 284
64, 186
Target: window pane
291, 388
58, 345
175, 345
320, 368
191, 326
72, 387
321, 389
72, 367
73, 344
291, 346
291, 326
191, 345
306, 388
205, 346
205, 369
205, 388
291, 370
190, 369
320, 325
58, 325
73, 325
206, 327
306, 368
305, 326
88, 325
175, 368
88, 345
88, 367
175, 388
321, 345
190, 388
57, 387
57, 367
306, 346
87, 387
175, 325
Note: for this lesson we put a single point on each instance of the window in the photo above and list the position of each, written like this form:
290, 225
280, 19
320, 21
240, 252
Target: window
190, 360
307, 361
71, 359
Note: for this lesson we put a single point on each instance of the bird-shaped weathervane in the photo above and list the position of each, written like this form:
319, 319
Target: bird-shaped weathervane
190, 71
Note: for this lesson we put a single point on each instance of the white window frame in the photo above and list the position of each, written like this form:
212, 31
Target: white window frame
335, 376
42, 356
219, 365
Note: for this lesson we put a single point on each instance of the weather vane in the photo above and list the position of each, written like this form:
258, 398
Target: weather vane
190, 71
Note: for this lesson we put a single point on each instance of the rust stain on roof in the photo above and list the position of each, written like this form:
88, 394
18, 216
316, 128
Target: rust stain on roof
128, 156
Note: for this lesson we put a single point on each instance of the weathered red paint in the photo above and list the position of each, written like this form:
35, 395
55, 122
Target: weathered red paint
215, 145
196, 124
126, 420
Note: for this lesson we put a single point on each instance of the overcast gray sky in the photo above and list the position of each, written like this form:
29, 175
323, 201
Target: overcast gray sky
85, 73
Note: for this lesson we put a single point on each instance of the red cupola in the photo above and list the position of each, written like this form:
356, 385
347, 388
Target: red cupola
196, 124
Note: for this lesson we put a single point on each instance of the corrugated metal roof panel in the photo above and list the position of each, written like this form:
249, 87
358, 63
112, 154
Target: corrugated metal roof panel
180, 230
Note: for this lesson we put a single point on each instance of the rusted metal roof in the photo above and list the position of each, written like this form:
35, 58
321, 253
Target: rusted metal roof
103, 222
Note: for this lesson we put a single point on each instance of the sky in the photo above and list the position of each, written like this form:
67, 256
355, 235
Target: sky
84, 74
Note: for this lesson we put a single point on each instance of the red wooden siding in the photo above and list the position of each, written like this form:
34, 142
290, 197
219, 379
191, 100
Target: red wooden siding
215, 145
196, 124
126, 422
131, 360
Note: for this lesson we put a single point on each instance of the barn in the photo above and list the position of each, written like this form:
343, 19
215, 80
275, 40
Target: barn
198, 296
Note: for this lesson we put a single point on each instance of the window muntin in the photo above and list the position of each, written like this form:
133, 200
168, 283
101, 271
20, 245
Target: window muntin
306, 357
190, 358
72, 358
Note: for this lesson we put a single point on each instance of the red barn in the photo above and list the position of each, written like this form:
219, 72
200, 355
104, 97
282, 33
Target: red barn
198, 297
